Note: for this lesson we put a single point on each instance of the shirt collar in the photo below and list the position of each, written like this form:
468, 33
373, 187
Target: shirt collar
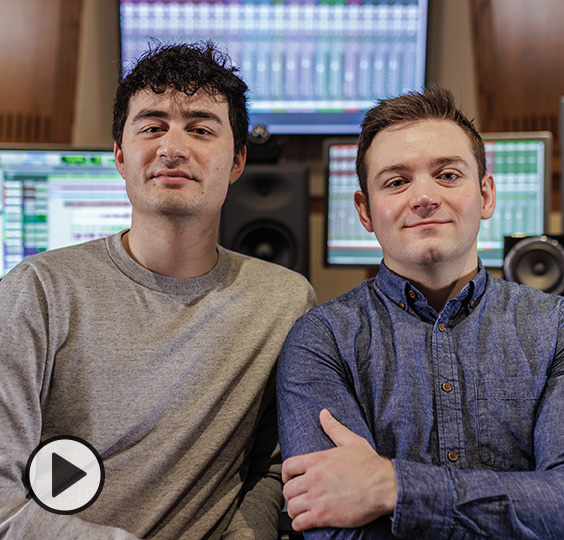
408, 298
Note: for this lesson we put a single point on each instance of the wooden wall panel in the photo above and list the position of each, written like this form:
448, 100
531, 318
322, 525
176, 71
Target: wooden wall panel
520, 58
519, 48
38, 67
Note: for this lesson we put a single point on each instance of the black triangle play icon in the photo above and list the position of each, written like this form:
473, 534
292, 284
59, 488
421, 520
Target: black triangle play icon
64, 474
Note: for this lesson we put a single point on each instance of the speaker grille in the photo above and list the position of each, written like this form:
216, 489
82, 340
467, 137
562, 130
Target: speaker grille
266, 215
536, 261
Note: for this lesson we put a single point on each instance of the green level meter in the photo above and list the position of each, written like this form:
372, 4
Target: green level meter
82, 160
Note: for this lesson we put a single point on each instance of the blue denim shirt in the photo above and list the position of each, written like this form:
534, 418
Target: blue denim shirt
468, 403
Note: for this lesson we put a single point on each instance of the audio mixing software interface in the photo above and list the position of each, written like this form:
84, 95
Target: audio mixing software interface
54, 198
519, 164
519, 168
297, 56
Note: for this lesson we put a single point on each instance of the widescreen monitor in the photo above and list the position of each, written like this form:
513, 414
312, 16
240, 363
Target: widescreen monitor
55, 197
312, 66
519, 162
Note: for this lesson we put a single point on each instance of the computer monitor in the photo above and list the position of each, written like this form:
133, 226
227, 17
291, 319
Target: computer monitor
519, 162
312, 66
54, 197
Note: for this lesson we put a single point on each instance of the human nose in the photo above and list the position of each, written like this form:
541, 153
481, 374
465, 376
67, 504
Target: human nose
173, 146
425, 197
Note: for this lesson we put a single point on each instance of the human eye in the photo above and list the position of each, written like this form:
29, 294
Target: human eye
202, 131
395, 183
202, 127
449, 176
151, 129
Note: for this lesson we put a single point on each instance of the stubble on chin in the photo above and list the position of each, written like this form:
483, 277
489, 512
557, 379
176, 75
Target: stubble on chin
427, 255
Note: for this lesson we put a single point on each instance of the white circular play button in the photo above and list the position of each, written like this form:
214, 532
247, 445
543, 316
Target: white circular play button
64, 474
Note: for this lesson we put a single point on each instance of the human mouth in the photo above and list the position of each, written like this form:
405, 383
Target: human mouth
425, 224
173, 176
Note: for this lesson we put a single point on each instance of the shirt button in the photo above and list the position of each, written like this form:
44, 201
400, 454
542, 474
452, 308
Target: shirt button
446, 386
441, 327
411, 294
402, 306
452, 456
473, 304
415, 533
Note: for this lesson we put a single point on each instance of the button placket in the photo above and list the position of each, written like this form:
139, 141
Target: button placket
449, 414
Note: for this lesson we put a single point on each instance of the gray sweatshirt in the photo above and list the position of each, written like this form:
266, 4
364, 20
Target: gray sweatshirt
171, 380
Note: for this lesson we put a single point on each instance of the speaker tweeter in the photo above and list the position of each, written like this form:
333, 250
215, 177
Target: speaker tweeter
263, 146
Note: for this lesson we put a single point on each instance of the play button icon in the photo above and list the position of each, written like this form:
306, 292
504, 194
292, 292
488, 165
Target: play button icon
64, 474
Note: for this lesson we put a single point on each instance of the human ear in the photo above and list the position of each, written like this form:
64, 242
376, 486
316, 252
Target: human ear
363, 208
118, 155
239, 161
488, 196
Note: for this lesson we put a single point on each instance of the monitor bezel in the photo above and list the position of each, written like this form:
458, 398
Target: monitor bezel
6, 146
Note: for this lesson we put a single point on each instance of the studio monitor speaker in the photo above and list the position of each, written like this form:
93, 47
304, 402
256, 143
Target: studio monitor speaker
266, 215
537, 261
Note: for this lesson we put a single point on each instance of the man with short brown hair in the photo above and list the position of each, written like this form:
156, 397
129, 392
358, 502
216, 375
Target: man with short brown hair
427, 402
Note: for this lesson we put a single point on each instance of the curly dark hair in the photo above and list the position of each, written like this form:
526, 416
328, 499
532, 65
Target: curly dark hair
186, 68
434, 103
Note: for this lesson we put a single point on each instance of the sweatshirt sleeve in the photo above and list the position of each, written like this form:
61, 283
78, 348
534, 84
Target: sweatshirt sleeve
26, 359
257, 514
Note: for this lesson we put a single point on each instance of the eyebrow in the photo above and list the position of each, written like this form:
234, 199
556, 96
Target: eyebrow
437, 162
187, 114
447, 160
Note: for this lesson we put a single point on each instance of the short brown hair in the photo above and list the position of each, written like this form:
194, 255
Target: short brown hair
434, 103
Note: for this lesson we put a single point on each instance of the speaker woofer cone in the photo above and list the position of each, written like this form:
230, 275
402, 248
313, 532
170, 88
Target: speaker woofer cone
268, 241
537, 262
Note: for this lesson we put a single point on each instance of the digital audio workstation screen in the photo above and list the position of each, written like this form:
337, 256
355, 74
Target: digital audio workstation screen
312, 66
348, 242
519, 167
55, 198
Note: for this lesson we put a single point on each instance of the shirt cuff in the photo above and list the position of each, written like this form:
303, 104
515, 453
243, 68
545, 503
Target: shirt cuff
424, 504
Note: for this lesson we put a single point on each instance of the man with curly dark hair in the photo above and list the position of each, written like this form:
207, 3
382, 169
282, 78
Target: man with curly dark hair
155, 345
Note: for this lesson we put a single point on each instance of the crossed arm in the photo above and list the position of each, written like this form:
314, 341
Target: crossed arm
335, 479
346, 486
